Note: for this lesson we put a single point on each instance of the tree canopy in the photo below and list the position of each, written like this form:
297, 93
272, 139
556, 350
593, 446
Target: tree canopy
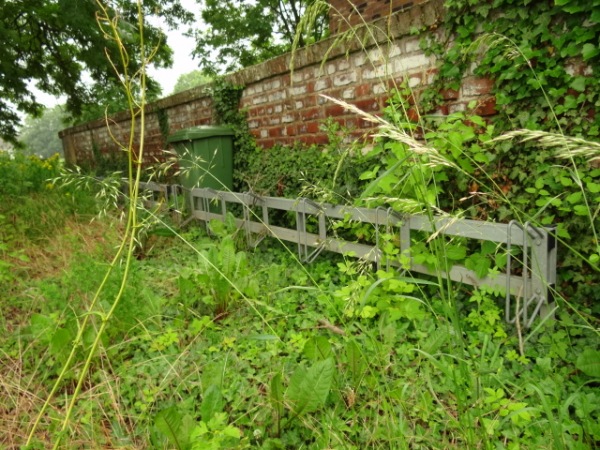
190, 80
58, 47
240, 33
39, 135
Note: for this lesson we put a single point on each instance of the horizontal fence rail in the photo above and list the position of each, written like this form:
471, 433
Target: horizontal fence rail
529, 294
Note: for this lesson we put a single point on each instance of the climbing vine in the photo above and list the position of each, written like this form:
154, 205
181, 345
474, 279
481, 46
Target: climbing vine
541, 54
544, 58
287, 170
226, 105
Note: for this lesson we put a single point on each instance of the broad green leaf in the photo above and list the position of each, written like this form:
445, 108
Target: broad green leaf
575, 197
594, 188
308, 389
232, 432
61, 339
355, 361
317, 348
409, 308
42, 327
578, 84
479, 264
212, 403
370, 174
263, 337
171, 424
276, 394
488, 247
589, 51
589, 362
456, 252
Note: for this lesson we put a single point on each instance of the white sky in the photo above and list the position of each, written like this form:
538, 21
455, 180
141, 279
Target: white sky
182, 60
182, 49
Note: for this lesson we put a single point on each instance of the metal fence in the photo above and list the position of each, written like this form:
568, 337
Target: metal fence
529, 281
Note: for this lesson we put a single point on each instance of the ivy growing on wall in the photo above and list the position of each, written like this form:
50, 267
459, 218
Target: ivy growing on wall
226, 105
544, 56
544, 59
286, 170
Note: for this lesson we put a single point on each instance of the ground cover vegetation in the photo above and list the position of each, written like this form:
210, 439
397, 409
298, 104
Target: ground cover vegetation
211, 344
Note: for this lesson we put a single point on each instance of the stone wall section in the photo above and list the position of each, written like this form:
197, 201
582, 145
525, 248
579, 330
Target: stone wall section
283, 96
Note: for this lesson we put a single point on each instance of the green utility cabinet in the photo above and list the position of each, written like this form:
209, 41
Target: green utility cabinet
206, 156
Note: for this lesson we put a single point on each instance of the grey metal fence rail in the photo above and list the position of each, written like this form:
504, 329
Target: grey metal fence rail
529, 294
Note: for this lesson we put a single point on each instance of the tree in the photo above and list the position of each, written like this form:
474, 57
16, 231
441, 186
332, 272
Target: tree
241, 33
52, 44
39, 135
190, 80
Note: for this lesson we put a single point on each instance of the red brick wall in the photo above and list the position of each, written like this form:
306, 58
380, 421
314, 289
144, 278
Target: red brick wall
344, 14
285, 106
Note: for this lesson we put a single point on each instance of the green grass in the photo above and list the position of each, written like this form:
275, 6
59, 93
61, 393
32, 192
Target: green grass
175, 370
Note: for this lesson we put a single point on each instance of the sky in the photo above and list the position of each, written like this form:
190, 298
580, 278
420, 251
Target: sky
182, 60
182, 48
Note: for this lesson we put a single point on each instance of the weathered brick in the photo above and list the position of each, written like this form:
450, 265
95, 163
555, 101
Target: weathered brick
368, 105
308, 114
380, 88
321, 84
348, 94
475, 86
298, 90
414, 61
449, 94
334, 110
362, 90
412, 45
343, 65
345, 79
277, 96
486, 107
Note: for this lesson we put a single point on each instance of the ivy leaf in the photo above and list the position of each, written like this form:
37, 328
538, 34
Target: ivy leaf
589, 362
589, 51
578, 84
308, 389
